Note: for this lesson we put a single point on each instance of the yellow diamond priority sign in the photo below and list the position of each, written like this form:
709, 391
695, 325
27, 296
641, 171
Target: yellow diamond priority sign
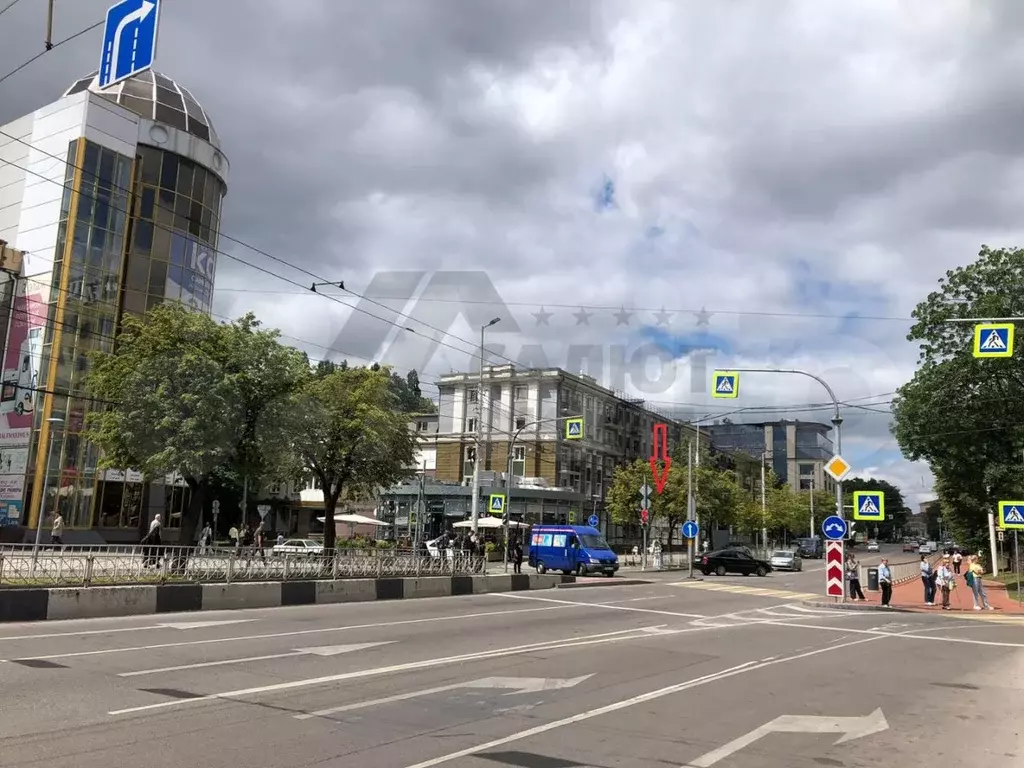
838, 468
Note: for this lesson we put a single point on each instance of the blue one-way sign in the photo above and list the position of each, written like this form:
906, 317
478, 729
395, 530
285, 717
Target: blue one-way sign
690, 529
834, 528
129, 40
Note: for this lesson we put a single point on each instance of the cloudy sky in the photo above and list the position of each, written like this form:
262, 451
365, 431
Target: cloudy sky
804, 171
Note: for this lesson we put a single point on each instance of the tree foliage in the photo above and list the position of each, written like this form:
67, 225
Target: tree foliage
186, 394
346, 430
965, 416
408, 394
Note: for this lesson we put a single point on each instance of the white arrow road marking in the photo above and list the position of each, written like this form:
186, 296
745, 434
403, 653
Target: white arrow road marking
851, 728
516, 685
322, 650
203, 624
139, 15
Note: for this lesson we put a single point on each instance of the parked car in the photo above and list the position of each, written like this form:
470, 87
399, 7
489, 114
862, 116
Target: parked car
786, 560
926, 548
812, 547
909, 545
873, 546
299, 547
733, 561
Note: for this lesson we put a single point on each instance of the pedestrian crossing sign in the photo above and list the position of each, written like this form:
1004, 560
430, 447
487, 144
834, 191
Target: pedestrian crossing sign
1011, 515
725, 384
869, 505
496, 504
993, 340
574, 428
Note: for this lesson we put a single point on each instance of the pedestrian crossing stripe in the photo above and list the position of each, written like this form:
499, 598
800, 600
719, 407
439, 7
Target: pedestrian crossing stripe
738, 589
994, 342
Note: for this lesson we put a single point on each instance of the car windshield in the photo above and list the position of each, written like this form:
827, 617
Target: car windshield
593, 542
782, 553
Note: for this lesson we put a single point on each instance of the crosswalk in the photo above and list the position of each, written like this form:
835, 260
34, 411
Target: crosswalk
779, 613
994, 618
742, 589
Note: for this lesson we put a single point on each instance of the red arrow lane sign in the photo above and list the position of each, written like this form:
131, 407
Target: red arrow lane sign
659, 452
834, 568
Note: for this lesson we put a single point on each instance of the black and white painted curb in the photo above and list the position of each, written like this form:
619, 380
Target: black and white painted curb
30, 604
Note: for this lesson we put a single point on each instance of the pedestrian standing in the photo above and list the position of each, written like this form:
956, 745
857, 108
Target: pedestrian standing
57, 530
517, 556
957, 560
853, 577
946, 581
885, 582
928, 579
975, 572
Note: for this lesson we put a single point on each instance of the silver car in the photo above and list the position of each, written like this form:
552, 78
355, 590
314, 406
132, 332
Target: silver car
786, 560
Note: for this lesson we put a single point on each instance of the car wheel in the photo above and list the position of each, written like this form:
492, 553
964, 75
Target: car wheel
581, 569
705, 572
761, 571
720, 570
541, 568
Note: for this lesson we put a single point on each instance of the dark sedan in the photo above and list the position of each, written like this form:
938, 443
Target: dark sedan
733, 561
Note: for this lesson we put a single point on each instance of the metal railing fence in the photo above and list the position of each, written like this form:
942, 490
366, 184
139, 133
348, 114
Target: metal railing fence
49, 566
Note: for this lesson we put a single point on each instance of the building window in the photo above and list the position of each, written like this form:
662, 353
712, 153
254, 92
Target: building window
520, 422
519, 393
422, 426
469, 457
471, 425
273, 489
519, 461
806, 469
472, 395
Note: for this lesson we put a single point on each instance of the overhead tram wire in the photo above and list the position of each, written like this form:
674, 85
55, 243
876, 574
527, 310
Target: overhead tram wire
258, 268
8, 7
56, 45
128, 191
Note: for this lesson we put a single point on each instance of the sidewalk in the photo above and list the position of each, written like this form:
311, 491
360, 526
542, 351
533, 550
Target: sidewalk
909, 596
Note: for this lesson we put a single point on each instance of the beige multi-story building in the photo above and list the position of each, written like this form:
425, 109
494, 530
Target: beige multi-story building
527, 411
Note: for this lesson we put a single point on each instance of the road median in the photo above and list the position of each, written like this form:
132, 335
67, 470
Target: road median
52, 603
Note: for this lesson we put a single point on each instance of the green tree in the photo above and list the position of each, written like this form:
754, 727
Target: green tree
189, 395
346, 430
965, 416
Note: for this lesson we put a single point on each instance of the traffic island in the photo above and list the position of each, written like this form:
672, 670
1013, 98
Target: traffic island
908, 597
33, 604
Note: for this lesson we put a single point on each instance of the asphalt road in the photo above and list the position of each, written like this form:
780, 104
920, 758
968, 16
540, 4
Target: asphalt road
664, 674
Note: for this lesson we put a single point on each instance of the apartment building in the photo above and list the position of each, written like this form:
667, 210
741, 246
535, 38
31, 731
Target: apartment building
424, 427
796, 451
526, 411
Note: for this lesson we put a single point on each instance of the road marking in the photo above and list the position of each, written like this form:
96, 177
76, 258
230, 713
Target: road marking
204, 624
111, 631
750, 666
513, 685
268, 635
608, 606
323, 650
740, 589
552, 645
850, 727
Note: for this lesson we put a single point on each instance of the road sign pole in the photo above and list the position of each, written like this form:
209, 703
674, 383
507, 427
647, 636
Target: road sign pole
643, 552
1016, 557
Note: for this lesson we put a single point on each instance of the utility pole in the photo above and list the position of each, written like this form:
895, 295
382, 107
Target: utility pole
691, 508
421, 504
812, 507
475, 498
764, 505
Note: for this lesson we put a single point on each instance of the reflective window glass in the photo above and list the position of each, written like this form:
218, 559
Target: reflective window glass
135, 302
169, 97
199, 130
92, 161
143, 236
161, 243
106, 173
198, 183
186, 173
138, 89
169, 171
150, 166
158, 278
147, 202
166, 82
172, 117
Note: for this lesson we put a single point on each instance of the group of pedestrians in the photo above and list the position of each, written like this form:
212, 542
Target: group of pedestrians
943, 580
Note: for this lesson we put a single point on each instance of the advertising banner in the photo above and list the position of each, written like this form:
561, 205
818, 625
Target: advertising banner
18, 398
191, 272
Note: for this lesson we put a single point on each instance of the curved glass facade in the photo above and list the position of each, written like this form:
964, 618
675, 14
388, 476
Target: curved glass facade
162, 250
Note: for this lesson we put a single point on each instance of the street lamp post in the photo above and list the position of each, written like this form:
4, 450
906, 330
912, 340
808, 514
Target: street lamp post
53, 422
475, 499
764, 505
837, 419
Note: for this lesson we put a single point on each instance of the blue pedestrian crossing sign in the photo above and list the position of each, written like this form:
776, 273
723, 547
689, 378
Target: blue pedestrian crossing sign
869, 505
993, 340
496, 504
690, 529
834, 528
574, 428
725, 384
129, 40
1011, 515
593, 521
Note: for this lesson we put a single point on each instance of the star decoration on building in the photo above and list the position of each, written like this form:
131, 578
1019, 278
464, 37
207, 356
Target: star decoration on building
703, 318
622, 316
542, 316
582, 317
663, 317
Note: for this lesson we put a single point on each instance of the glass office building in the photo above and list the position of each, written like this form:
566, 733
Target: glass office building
134, 223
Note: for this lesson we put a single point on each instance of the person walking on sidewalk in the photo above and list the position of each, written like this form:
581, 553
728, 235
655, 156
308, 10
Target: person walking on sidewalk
57, 530
853, 576
946, 581
928, 579
975, 572
885, 582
